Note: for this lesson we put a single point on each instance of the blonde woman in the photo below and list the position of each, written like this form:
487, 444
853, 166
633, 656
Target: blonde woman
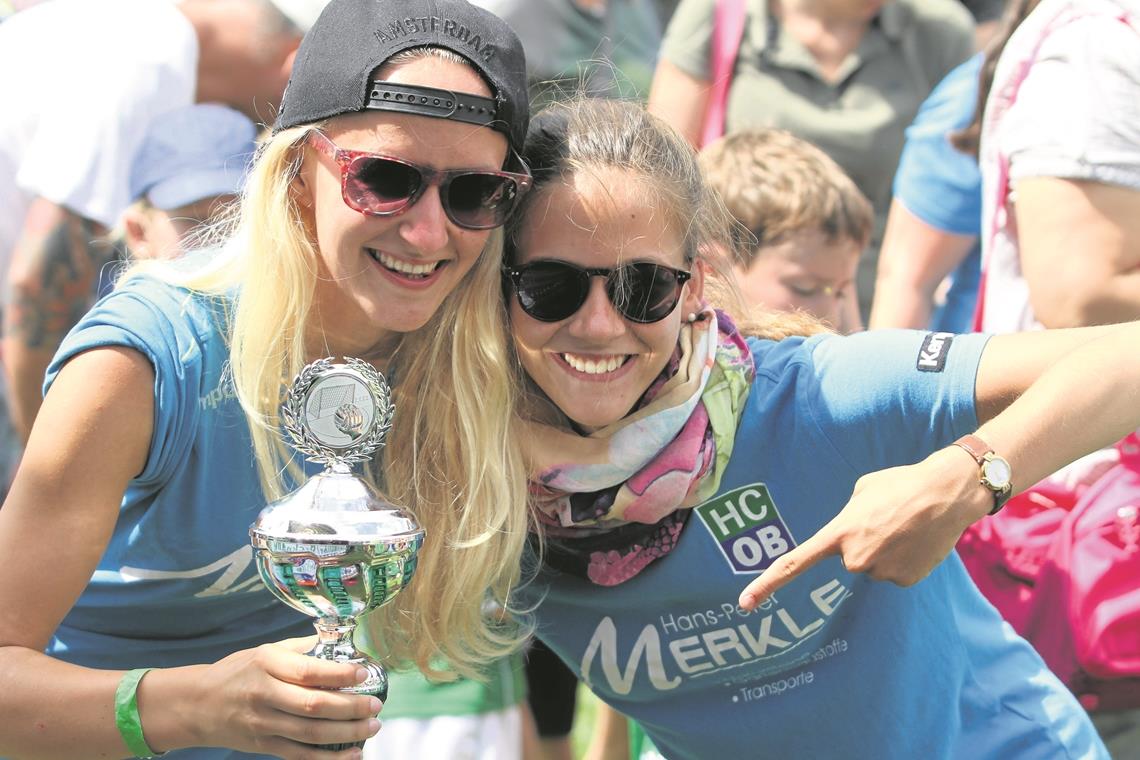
369, 230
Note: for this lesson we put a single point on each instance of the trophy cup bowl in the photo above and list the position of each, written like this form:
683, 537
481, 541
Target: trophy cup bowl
334, 548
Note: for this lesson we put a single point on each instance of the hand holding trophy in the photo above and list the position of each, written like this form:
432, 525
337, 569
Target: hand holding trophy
335, 549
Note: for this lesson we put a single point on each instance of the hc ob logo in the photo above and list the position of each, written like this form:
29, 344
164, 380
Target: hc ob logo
750, 532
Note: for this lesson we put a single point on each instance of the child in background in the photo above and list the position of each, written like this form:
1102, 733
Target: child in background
191, 164
806, 219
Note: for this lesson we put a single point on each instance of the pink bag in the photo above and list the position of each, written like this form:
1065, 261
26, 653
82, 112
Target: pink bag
1064, 570
1085, 616
728, 29
1004, 553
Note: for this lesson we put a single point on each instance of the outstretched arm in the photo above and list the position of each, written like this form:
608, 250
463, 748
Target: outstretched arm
1081, 393
914, 259
51, 284
91, 437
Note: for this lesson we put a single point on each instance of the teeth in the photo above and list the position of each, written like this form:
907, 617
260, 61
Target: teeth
403, 267
594, 365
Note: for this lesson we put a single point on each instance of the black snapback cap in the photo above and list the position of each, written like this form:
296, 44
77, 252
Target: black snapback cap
332, 73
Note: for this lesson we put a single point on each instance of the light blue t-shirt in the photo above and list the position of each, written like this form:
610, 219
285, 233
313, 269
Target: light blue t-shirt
835, 665
177, 584
943, 186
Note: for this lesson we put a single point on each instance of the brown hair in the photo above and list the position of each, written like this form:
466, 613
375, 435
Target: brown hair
589, 134
968, 137
775, 184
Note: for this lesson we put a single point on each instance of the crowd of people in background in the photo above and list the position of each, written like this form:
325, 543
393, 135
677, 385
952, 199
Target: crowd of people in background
942, 166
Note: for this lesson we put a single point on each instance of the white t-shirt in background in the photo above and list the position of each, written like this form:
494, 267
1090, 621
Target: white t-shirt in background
79, 82
1075, 115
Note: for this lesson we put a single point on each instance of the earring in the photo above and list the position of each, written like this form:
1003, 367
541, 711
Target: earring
691, 318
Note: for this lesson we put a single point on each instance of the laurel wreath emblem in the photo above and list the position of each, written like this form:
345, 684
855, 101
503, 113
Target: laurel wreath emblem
303, 440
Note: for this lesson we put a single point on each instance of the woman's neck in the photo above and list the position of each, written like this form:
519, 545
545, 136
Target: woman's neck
830, 38
324, 343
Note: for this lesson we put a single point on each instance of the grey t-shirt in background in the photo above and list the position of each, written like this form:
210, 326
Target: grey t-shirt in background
859, 117
603, 50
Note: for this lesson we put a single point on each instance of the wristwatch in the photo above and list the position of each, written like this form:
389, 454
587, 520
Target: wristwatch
993, 471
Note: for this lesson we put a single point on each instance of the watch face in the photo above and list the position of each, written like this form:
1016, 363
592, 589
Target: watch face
997, 473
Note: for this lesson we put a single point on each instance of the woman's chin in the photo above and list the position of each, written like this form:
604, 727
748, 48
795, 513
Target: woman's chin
589, 420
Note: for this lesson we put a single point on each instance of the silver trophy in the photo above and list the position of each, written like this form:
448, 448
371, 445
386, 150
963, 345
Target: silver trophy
334, 548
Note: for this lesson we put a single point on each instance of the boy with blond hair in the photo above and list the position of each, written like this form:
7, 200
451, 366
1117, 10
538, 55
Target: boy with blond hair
803, 223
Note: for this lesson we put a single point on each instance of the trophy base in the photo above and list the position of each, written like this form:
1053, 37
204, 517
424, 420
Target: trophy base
376, 685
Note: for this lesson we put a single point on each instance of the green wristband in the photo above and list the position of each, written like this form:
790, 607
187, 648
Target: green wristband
127, 714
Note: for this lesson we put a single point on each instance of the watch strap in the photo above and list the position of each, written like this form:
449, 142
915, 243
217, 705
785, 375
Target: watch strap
982, 452
975, 447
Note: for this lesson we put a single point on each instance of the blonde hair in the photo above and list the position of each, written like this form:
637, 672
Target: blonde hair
450, 456
589, 134
775, 184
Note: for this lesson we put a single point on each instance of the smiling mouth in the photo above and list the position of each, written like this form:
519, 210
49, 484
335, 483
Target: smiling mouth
404, 268
595, 365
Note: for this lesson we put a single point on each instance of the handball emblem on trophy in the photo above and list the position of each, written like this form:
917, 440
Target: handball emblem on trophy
334, 549
349, 419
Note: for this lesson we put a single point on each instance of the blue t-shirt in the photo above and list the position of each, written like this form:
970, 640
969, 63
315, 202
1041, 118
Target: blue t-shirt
943, 186
177, 584
834, 664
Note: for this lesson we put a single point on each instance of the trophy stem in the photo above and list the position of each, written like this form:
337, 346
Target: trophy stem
334, 642
334, 639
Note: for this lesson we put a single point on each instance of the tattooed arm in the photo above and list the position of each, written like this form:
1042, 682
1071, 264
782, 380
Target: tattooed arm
51, 284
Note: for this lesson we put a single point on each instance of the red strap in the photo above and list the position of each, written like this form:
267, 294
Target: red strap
728, 29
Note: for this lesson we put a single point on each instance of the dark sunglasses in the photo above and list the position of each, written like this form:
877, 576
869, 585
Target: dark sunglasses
377, 185
641, 291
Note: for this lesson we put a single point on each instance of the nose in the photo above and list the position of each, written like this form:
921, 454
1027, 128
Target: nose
425, 225
597, 319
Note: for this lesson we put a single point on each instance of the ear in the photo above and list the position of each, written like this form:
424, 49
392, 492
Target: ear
302, 192
302, 185
694, 298
135, 227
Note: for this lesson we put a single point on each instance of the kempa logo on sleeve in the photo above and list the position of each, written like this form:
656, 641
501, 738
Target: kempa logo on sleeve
747, 528
935, 349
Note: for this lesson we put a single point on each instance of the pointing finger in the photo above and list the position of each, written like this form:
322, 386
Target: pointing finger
788, 566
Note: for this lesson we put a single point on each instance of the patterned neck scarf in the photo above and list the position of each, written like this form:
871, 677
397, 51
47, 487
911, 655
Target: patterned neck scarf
612, 502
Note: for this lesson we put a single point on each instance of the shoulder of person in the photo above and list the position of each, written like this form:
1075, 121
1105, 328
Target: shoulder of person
933, 16
941, 31
687, 42
773, 357
1101, 31
696, 15
150, 304
935, 26
155, 293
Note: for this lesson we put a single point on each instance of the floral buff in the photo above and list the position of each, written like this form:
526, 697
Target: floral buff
612, 502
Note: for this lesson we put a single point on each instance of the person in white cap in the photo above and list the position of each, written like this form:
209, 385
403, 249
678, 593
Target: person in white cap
91, 78
188, 170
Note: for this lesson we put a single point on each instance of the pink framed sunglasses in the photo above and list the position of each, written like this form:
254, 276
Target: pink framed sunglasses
378, 185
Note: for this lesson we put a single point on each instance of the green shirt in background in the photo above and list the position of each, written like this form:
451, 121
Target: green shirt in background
858, 118
410, 695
